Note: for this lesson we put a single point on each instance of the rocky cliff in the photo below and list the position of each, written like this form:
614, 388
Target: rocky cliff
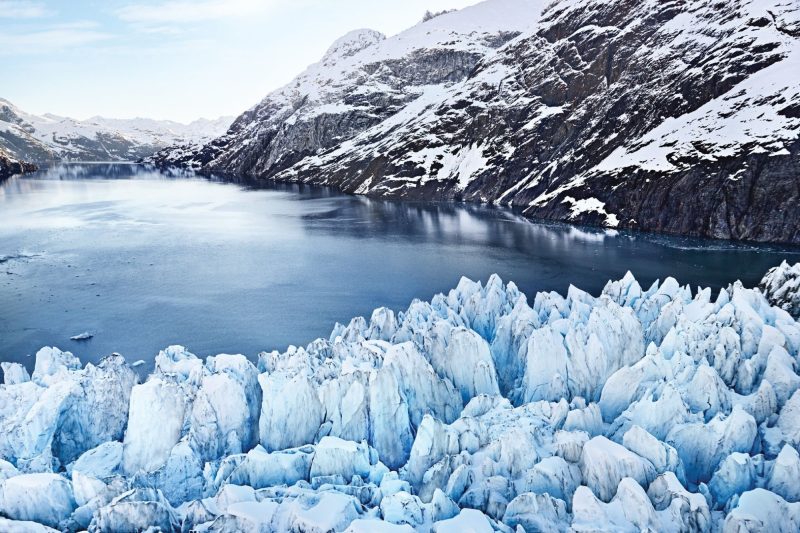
10, 166
671, 116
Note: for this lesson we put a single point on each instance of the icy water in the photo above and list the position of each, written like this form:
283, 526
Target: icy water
142, 260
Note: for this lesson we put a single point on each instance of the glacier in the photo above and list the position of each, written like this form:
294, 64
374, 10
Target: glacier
640, 409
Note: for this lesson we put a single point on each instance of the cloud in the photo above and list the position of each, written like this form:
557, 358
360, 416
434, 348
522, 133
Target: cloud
181, 11
22, 9
53, 39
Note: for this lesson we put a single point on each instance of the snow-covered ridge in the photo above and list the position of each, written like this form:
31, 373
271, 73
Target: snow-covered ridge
589, 111
463, 31
362, 80
659, 409
51, 137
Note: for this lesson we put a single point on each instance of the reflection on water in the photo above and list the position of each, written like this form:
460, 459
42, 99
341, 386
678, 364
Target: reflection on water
144, 259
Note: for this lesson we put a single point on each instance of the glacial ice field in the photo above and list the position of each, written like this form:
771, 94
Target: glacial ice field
643, 409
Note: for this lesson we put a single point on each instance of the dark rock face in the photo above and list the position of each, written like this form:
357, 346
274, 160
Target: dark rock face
702, 199
678, 117
9, 167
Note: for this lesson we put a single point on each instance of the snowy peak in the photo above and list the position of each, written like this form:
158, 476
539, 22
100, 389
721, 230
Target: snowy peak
478, 28
751, 112
351, 43
363, 80
51, 137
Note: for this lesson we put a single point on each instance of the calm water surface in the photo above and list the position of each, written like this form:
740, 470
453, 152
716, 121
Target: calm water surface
143, 260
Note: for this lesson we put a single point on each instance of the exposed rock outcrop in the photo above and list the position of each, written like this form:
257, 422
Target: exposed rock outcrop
10, 166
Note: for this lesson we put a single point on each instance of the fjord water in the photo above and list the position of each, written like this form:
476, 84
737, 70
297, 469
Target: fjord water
142, 260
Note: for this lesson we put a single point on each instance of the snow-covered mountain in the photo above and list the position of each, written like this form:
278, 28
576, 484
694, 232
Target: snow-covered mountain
363, 81
657, 409
33, 138
670, 116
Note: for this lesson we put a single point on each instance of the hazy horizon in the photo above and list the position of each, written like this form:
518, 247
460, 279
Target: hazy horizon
174, 59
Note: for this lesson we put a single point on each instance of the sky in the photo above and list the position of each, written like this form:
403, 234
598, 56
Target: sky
174, 59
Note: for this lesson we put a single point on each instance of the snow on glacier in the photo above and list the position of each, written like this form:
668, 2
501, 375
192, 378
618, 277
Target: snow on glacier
781, 285
660, 409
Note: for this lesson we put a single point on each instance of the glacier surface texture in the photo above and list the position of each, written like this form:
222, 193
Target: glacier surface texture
643, 409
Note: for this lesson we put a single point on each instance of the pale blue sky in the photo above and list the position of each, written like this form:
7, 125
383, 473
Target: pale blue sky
175, 59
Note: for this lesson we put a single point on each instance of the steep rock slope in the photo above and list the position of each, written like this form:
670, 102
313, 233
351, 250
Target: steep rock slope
670, 116
363, 80
10, 166
658, 409
52, 138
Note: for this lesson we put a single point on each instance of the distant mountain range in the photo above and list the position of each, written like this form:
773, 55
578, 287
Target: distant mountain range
40, 139
680, 117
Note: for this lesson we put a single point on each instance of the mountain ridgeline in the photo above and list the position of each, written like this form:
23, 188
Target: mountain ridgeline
671, 116
49, 138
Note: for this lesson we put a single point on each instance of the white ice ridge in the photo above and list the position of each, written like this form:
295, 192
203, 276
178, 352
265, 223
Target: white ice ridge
663, 409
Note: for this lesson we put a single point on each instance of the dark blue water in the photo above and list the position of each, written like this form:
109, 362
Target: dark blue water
143, 260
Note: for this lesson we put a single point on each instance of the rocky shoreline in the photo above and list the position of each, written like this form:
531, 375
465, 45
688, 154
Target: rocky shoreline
10, 167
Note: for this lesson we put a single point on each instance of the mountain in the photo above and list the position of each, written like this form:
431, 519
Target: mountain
483, 410
671, 116
53, 138
364, 81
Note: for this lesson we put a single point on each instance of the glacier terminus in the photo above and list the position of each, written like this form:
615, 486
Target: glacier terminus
642, 409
